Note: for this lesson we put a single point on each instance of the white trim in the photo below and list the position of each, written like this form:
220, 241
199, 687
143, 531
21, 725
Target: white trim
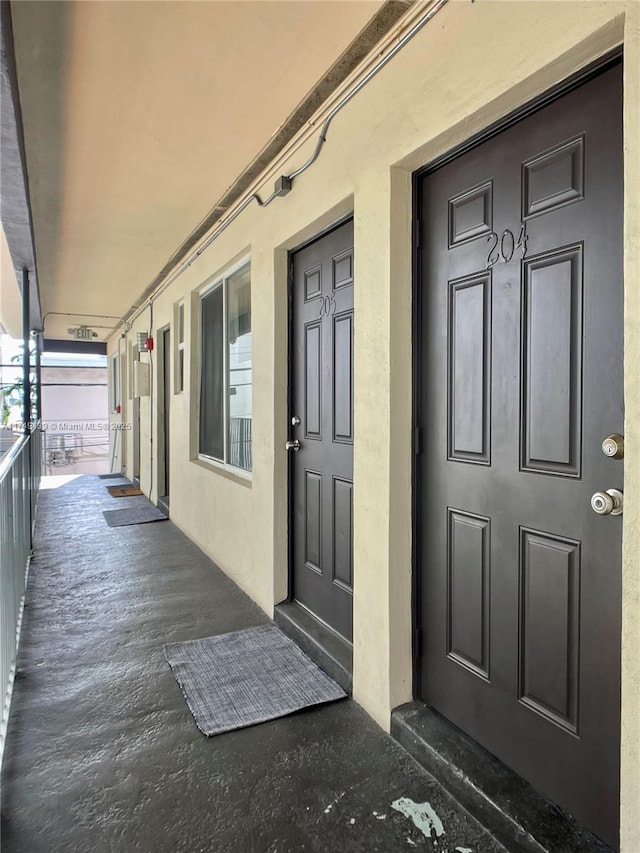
225, 466
218, 278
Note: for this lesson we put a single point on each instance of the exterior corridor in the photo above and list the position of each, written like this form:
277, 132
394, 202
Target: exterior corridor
102, 753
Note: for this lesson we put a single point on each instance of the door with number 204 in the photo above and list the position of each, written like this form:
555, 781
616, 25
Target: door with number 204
521, 381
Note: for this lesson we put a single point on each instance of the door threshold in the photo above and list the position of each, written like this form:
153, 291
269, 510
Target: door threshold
514, 812
331, 652
163, 504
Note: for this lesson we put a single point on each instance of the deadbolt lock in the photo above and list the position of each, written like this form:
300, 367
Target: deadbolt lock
613, 446
607, 503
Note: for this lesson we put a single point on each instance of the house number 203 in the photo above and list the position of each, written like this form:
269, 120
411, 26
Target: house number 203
503, 248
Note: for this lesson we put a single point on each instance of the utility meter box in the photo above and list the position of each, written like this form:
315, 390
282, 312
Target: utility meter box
141, 381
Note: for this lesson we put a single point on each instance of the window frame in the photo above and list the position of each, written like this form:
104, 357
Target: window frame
220, 280
131, 372
179, 347
115, 383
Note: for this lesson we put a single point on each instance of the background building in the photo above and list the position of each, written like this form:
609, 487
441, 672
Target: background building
75, 414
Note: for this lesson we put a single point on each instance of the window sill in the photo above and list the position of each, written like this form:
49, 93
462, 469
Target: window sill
228, 473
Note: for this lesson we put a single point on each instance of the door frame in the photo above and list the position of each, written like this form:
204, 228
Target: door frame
338, 223
588, 72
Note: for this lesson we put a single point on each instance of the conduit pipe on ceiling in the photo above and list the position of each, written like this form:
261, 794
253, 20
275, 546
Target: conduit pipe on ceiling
123, 320
430, 13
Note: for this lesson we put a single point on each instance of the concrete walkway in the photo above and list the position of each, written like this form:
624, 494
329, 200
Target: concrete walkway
103, 755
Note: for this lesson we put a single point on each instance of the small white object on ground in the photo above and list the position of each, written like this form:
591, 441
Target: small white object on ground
422, 814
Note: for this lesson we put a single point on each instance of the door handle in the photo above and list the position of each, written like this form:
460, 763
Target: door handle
607, 503
292, 445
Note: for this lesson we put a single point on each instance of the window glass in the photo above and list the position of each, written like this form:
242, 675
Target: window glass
226, 371
115, 390
181, 323
212, 376
239, 368
178, 386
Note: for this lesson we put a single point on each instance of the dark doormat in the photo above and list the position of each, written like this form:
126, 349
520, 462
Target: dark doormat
111, 476
123, 491
247, 677
133, 515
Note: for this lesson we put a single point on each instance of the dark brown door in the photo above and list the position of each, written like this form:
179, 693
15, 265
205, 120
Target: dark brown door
521, 362
322, 399
134, 355
125, 410
166, 403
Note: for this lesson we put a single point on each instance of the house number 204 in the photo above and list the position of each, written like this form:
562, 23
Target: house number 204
503, 248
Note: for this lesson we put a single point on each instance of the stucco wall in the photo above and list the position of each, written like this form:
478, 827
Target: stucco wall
472, 64
630, 766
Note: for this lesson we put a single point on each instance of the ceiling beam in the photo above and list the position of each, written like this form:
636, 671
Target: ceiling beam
84, 347
15, 205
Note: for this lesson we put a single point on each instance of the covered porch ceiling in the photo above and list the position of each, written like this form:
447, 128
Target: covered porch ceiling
139, 116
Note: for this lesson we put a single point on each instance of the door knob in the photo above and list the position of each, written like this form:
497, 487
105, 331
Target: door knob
292, 445
607, 503
295, 421
613, 446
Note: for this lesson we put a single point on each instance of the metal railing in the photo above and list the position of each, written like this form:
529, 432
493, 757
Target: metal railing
240, 441
20, 469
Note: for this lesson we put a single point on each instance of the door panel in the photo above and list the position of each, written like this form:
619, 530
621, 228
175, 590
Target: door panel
552, 362
520, 307
322, 351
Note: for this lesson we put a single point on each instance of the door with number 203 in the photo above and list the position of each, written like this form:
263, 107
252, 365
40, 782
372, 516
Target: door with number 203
322, 403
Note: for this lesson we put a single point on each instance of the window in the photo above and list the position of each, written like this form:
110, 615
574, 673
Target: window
225, 370
115, 391
133, 350
178, 385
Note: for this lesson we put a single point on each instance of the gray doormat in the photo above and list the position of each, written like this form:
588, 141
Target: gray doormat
133, 515
112, 476
247, 677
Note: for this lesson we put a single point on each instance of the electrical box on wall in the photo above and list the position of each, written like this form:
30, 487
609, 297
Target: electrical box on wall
141, 382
